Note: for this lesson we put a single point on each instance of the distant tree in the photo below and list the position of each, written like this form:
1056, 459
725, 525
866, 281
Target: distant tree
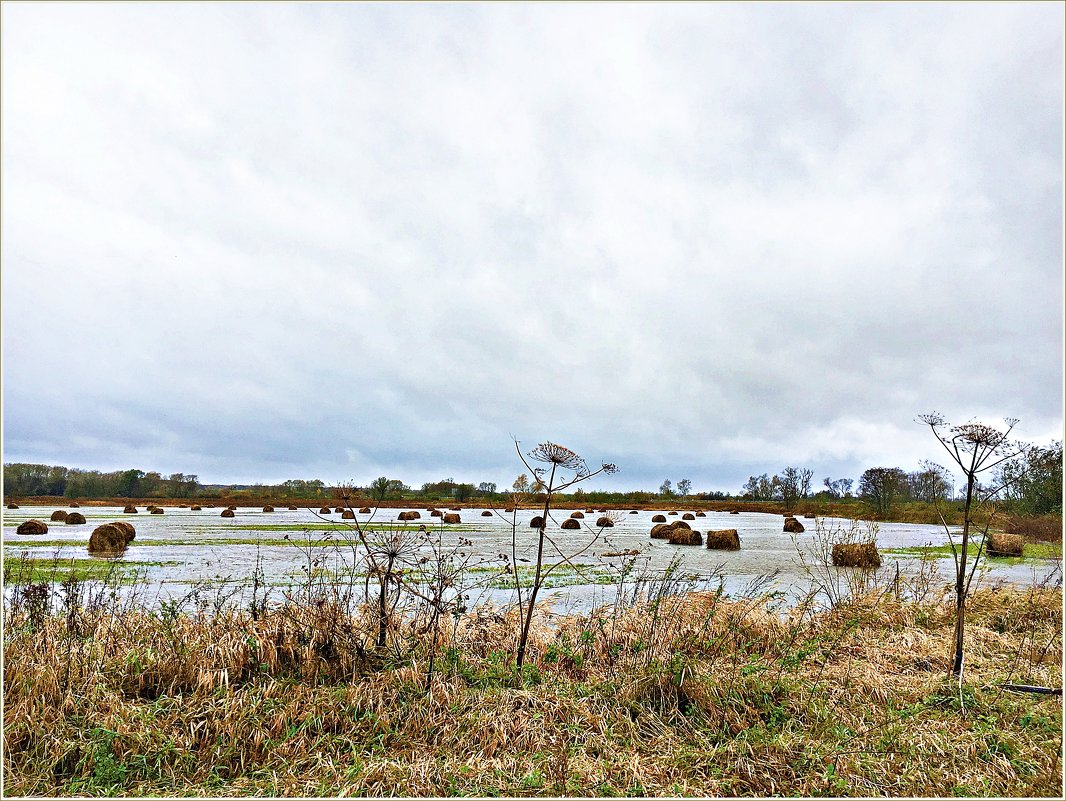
464, 492
806, 475
486, 488
666, 489
521, 484
379, 488
1032, 485
883, 488
129, 483
684, 487
789, 484
840, 488
930, 484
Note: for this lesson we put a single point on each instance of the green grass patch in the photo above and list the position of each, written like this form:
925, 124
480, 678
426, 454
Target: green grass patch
30, 570
1032, 551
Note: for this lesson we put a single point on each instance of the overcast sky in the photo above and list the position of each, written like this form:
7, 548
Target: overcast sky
258, 242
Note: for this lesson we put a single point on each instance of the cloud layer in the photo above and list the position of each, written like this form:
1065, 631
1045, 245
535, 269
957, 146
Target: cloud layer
257, 242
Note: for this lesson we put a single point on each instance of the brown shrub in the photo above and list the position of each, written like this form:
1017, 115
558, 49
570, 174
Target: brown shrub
570, 523
451, 517
1047, 528
659, 519
227, 513
605, 522
688, 516
536, 522
578, 515
684, 536
32, 527
75, 519
130, 509
1004, 544
58, 516
107, 539
726, 539
857, 554
793, 526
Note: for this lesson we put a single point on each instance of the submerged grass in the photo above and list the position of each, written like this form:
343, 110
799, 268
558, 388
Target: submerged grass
670, 695
1032, 551
21, 570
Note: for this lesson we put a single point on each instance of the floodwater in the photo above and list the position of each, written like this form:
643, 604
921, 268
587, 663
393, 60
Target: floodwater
182, 549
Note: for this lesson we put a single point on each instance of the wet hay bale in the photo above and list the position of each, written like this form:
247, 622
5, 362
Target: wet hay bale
684, 536
451, 517
32, 527
325, 510
232, 508
409, 516
688, 516
456, 508
293, 508
578, 515
726, 539
268, 508
364, 510
157, 511
633, 511
602, 511
570, 523
858, 554
227, 513
605, 522
436, 513
12, 506
107, 540
659, 519
808, 517
680, 524
793, 526
701, 514
671, 513
734, 511
1004, 544
194, 509
125, 528
486, 513
590, 511
129, 509
75, 505
75, 519
509, 510
58, 516
339, 509
537, 522
661, 531
347, 514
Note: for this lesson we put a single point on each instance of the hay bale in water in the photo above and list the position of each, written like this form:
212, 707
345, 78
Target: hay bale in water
456, 508
684, 536
227, 513
58, 516
451, 517
125, 528
325, 510
734, 512
590, 511
486, 513
268, 508
509, 510
701, 514
436, 513
293, 508
793, 526
536, 522
32, 527
671, 513
661, 531
75, 519
1004, 544
157, 511
858, 554
232, 508
409, 516
680, 524
808, 517
578, 515
129, 509
194, 509
12, 506
107, 540
633, 511
75, 505
347, 514
688, 516
605, 522
726, 539
365, 510
659, 519
571, 523
602, 511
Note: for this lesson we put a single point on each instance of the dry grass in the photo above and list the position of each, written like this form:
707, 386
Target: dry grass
1047, 528
689, 695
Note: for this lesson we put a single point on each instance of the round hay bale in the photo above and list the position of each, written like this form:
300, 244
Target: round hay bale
509, 510
680, 524
232, 508
12, 506
126, 528
998, 544
339, 509
325, 510
590, 511
688, 516
456, 508
451, 517
793, 526
75, 505
570, 523
602, 511
436, 513
659, 519
268, 508
107, 539
578, 515
486, 513
734, 512
194, 509
808, 517
347, 514
633, 511
684, 536
227, 513
293, 508
661, 531
130, 509
857, 554
58, 516
409, 516
701, 514
537, 522
726, 539
365, 510
605, 522
157, 511
671, 513
32, 527
75, 519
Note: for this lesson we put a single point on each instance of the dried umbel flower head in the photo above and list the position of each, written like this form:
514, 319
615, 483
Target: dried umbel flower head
550, 453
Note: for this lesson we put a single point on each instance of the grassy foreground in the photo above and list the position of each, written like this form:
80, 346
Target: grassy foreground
680, 695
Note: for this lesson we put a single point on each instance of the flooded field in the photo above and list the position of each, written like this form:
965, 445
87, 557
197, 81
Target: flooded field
181, 549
